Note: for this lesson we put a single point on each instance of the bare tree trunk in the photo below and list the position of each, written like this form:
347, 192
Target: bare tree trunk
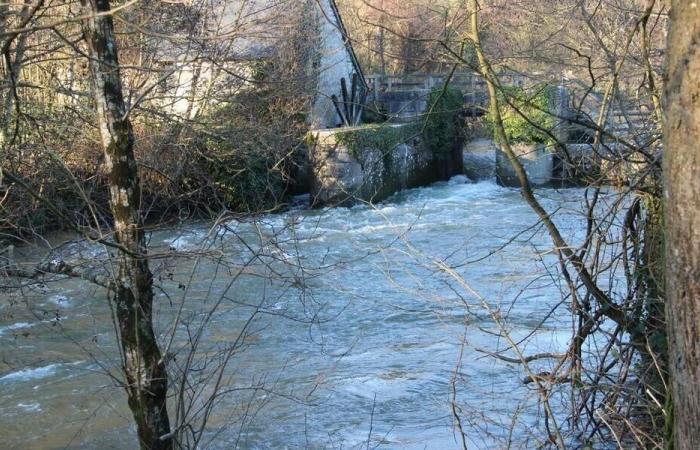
144, 368
682, 184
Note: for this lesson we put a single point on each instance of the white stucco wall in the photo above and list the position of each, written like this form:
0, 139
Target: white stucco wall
335, 62
211, 86
266, 25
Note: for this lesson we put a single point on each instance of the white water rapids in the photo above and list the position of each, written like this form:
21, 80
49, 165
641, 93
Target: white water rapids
363, 313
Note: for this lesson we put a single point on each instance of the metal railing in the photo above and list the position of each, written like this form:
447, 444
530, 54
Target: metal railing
465, 81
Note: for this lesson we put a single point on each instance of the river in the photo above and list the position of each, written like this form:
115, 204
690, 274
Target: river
361, 316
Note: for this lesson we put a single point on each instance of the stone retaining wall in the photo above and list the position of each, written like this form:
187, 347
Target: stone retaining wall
369, 163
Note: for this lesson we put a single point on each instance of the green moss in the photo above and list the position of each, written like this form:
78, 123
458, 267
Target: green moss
440, 123
670, 417
438, 129
384, 138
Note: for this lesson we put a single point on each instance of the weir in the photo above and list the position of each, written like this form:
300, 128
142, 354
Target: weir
366, 163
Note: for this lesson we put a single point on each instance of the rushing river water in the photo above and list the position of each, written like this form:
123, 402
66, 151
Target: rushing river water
362, 315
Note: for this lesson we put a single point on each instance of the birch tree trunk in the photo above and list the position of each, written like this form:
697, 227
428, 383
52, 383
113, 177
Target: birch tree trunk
682, 184
145, 374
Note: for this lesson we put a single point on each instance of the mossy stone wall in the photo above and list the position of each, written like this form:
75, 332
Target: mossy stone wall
369, 163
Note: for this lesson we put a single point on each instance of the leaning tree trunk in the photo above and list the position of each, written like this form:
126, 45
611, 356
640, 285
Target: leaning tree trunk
682, 184
145, 374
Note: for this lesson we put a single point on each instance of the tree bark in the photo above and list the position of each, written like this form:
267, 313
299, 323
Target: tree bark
682, 185
144, 369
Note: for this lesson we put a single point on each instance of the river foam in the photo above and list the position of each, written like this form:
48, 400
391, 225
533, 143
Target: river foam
30, 374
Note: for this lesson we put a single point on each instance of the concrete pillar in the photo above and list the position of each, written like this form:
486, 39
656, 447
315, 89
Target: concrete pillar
563, 112
537, 160
479, 159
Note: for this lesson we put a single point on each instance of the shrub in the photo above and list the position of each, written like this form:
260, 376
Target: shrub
441, 124
535, 105
383, 137
248, 152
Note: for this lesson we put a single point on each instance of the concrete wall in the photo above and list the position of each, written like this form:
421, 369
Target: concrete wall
344, 170
262, 26
479, 159
484, 160
537, 160
607, 164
